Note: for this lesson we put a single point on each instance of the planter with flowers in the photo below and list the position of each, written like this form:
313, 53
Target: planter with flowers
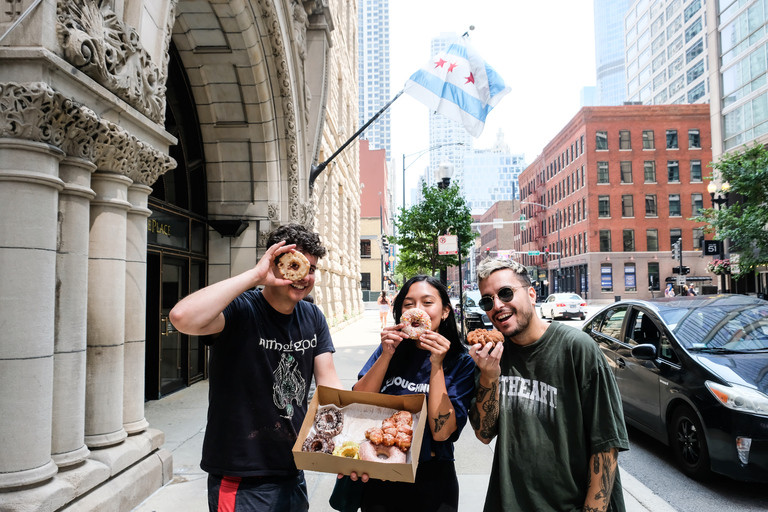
719, 267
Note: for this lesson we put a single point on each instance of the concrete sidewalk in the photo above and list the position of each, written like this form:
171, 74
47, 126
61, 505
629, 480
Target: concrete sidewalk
182, 417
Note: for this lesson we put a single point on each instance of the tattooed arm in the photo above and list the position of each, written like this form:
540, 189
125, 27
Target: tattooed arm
602, 473
484, 410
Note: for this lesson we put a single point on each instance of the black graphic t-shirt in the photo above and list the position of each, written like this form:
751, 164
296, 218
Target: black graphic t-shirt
260, 369
558, 405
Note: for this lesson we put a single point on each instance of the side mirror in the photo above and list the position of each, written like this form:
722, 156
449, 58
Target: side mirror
644, 352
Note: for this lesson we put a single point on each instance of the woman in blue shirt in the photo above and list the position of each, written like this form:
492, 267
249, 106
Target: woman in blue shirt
438, 365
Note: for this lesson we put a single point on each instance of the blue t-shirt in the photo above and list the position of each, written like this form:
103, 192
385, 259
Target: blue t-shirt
260, 369
459, 382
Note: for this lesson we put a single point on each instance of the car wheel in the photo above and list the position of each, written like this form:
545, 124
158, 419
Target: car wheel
582, 317
541, 310
689, 444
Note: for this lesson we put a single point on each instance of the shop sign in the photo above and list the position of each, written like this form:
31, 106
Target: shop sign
168, 229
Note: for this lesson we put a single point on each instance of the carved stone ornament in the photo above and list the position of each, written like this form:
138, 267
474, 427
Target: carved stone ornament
34, 111
273, 211
100, 45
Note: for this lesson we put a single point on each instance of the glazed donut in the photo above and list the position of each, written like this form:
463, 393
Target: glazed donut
293, 265
482, 337
380, 453
416, 321
319, 443
329, 420
348, 449
403, 417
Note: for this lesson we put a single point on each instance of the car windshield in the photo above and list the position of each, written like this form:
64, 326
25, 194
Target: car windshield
569, 297
723, 323
471, 299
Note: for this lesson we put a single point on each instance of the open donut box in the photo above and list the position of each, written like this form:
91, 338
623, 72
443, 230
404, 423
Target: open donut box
326, 463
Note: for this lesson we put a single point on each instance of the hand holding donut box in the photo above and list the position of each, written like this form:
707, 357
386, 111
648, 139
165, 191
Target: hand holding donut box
362, 421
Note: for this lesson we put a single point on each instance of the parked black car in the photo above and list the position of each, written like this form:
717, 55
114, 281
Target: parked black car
693, 373
472, 315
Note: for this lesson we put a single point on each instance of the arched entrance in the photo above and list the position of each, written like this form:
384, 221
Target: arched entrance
177, 248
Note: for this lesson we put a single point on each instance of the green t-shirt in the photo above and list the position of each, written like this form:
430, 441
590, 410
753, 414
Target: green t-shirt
558, 405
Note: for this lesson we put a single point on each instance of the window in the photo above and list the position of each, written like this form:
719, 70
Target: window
603, 206
626, 172
657, 24
658, 44
692, 9
660, 80
658, 62
675, 66
695, 171
602, 172
677, 85
365, 282
692, 30
675, 46
674, 236
653, 276
365, 248
652, 240
601, 140
674, 205
671, 139
698, 238
694, 72
610, 325
648, 139
649, 171
651, 209
696, 93
605, 240
630, 283
694, 139
694, 51
627, 206
673, 171
697, 203
624, 142
629, 240
661, 98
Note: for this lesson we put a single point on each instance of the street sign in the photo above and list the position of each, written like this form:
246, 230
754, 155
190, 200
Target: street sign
681, 280
498, 223
713, 247
447, 244
533, 253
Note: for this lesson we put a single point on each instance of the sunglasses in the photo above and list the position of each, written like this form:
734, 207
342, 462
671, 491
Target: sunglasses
506, 294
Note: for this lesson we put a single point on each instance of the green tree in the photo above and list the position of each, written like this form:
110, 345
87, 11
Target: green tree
744, 222
418, 227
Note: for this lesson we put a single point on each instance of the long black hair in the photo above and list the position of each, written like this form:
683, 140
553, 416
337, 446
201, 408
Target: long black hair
447, 329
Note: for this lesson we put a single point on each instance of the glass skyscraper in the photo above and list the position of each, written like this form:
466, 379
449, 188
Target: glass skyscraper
373, 70
609, 51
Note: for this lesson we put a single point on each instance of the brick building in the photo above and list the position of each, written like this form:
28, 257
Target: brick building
621, 183
374, 219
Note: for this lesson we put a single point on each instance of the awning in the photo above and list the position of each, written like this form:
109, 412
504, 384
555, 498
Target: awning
673, 279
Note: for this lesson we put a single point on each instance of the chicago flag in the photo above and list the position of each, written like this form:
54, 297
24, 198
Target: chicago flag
460, 85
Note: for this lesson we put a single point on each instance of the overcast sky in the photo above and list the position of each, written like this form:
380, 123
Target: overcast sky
543, 50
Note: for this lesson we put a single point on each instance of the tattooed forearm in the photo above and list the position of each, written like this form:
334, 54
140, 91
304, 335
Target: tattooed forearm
600, 480
485, 423
440, 421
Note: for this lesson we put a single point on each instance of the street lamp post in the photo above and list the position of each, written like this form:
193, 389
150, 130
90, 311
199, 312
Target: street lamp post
720, 202
419, 154
559, 247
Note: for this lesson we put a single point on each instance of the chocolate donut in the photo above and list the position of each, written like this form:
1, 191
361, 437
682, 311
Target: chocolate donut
417, 322
381, 453
329, 420
319, 443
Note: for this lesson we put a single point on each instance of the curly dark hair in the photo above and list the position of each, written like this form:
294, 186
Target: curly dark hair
307, 241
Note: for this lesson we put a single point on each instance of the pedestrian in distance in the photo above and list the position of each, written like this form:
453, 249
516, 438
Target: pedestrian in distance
384, 306
548, 395
669, 291
691, 291
438, 365
265, 347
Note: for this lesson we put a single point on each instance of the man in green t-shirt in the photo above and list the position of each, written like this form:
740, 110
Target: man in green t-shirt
549, 395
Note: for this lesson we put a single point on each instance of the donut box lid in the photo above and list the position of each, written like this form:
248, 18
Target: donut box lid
326, 463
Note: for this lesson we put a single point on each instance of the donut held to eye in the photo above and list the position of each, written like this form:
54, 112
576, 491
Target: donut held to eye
293, 265
417, 322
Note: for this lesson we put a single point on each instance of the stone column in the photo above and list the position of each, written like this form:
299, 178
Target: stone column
29, 190
106, 310
135, 309
67, 445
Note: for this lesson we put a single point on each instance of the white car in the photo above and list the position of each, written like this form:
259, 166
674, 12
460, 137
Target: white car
564, 305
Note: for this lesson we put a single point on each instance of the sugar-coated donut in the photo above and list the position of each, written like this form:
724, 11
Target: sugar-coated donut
381, 453
329, 420
321, 443
483, 336
293, 265
417, 322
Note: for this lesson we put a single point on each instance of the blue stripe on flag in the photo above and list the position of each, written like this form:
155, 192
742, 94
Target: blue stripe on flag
452, 93
457, 50
495, 82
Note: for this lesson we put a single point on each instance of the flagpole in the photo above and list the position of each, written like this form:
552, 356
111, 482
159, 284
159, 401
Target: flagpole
315, 170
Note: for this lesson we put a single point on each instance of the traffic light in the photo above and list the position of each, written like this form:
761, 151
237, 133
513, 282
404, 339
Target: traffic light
676, 249
384, 243
546, 254
487, 251
681, 270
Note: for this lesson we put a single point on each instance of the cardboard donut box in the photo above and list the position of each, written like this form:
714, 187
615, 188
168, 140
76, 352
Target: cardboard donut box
327, 463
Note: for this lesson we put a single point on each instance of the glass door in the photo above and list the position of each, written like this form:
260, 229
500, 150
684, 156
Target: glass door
173, 353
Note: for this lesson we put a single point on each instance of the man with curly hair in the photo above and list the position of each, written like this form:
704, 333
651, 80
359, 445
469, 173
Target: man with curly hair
265, 347
549, 395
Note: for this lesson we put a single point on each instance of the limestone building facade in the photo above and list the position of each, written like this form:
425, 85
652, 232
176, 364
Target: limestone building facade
147, 147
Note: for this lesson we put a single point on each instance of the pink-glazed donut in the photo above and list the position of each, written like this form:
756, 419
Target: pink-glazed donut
381, 453
417, 322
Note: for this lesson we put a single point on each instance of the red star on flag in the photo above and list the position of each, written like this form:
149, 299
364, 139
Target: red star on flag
450, 67
439, 63
469, 78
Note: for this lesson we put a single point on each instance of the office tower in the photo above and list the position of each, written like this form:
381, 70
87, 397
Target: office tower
666, 57
609, 51
373, 70
491, 175
588, 96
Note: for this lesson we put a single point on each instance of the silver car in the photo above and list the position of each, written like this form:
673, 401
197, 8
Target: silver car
564, 305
